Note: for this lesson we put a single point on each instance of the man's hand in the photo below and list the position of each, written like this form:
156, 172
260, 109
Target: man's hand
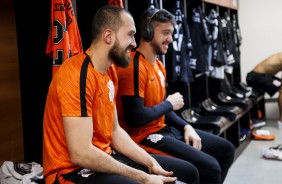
176, 100
190, 135
158, 170
159, 179
159, 175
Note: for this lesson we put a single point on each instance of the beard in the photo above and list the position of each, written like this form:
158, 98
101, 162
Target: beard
119, 55
157, 48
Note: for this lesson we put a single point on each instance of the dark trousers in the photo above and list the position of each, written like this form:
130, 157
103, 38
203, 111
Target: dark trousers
212, 161
183, 170
263, 82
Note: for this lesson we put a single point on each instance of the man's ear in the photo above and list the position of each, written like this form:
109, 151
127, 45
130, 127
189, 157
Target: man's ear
108, 36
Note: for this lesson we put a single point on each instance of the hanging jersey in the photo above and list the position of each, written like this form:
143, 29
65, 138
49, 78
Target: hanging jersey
179, 68
153, 4
118, 3
78, 90
228, 34
217, 50
237, 35
140, 78
64, 38
217, 54
201, 39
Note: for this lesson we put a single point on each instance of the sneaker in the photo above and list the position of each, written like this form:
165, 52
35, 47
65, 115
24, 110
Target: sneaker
272, 152
263, 135
258, 123
6, 177
279, 125
27, 172
243, 133
242, 137
10, 180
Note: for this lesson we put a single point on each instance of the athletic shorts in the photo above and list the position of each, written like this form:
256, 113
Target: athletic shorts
267, 83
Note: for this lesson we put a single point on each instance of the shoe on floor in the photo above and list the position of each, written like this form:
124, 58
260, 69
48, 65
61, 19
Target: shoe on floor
272, 152
258, 123
279, 125
263, 135
243, 133
12, 172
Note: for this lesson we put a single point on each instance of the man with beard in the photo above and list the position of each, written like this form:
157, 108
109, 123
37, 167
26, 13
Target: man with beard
149, 117
82, 140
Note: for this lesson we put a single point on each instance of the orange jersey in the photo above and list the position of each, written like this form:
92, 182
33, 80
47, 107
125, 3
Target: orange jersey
117, 3
77, 90
64, 38
150, 78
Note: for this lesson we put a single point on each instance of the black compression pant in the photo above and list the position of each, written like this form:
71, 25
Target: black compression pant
212, 162
183, 170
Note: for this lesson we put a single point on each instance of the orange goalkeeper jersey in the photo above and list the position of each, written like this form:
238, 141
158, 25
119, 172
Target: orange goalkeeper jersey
146, 81
64, 38
77, 90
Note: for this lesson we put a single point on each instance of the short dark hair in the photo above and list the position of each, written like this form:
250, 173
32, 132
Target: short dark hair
107, 17
150, 18
163, 16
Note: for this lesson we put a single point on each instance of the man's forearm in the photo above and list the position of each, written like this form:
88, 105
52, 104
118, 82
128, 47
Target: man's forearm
123, 144
98, 161
137, 114
173, 119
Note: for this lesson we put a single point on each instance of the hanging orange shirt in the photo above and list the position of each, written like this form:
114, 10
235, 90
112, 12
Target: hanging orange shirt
64, 38
150, 78
77, 90
117, 3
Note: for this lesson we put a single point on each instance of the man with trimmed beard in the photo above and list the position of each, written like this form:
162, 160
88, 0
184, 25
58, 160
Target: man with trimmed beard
82, 140
148, 116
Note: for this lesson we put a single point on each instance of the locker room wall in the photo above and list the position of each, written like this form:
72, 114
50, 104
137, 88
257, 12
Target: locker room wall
11, 135
261, 28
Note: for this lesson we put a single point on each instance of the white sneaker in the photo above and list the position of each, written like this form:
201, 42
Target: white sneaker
23, 172
263, 132
279, 125
10, 180
272, 152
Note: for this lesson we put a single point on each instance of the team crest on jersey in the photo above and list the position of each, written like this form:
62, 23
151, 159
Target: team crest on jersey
111, 90
162, 78
85, 173
155, 137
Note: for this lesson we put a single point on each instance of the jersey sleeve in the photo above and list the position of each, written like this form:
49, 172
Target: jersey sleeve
72, 96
